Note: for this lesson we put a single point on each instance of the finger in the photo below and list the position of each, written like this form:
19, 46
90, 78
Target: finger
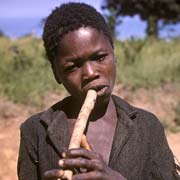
51, 174
89, 176
85, 144
81, 152
81, 163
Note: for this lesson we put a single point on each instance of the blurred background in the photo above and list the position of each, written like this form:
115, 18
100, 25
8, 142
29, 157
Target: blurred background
147, 46
19, 18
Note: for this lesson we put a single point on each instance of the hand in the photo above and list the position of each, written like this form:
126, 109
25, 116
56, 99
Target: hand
54, 174
94, 168
58, 174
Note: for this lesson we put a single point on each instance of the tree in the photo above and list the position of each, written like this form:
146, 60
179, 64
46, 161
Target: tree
112, 21
151, 11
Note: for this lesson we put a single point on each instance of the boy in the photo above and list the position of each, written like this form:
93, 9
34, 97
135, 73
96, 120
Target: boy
127, 142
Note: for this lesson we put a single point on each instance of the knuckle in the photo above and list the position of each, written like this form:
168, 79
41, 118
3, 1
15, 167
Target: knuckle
99, 175
69, 162
66, 162
100, 166
47, 174
83, 162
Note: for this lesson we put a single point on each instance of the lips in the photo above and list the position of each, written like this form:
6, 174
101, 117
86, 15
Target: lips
98, 87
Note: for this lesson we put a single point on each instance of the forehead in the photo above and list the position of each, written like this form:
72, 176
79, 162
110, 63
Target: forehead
83, 40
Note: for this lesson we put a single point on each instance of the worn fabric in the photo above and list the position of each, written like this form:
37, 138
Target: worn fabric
139, 151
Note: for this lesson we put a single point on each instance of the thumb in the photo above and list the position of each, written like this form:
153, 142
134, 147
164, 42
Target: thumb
85, 144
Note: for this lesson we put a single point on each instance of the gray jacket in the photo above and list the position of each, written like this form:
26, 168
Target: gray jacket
139, 151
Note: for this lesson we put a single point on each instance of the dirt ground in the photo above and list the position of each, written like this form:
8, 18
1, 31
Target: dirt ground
12, 115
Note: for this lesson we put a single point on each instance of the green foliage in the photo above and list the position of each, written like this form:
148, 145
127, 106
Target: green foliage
26, 77
143, 63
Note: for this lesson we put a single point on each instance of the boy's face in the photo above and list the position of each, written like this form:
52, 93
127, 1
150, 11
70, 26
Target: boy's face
85, 61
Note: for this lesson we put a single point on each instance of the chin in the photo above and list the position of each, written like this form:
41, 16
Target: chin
103, 99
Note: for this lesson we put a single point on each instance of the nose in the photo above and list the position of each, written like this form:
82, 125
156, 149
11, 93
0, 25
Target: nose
89, 71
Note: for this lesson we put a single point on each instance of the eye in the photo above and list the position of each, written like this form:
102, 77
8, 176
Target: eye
70, 68
100, 57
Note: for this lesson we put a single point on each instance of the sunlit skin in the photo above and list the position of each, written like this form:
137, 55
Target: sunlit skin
85, 60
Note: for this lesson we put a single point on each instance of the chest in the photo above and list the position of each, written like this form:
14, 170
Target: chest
100, 136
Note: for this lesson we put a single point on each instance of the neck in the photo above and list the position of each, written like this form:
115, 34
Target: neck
101, 110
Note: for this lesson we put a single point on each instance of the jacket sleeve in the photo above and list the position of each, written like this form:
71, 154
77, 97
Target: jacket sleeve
27, 160
164, 167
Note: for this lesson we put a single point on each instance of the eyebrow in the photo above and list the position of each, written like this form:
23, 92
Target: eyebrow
72, 59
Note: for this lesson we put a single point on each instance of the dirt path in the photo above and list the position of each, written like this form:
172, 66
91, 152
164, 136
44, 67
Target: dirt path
11, 116
9, 140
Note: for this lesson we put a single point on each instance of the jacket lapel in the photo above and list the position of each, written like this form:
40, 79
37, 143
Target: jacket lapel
123, 130
59, 135
57, 129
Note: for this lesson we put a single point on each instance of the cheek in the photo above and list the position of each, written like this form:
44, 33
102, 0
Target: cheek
111, 72
72, 84
72, 81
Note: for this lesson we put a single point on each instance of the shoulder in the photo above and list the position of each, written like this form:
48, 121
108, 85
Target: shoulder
39, 122
30, 126
35, 120
139, 116
149, 125
148, 117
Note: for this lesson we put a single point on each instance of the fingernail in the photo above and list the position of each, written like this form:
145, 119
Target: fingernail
63, 154
61, 162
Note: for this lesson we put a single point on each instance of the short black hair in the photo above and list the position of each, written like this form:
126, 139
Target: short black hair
69, 17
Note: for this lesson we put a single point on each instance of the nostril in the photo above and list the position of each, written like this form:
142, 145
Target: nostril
88, 79
90, 76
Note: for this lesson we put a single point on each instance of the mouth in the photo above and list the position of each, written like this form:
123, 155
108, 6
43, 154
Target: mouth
98, 87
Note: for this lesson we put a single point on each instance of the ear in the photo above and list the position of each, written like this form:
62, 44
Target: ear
56, 75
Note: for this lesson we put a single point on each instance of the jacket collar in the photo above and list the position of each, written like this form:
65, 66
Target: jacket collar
124, 128
57, 128
130, 110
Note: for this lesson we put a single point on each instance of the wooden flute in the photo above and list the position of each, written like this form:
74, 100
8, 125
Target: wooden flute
80, 125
